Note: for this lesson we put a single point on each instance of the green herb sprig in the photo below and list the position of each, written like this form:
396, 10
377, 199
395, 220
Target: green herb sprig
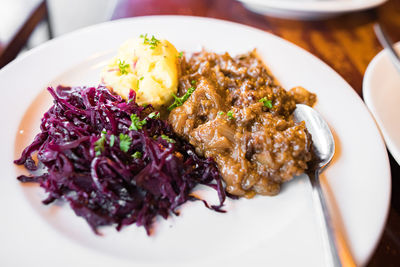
153, 42
230, 115
180, 100
154, 115
168, 139
137, 85
137, 124
137, 155
266, 102
99, 144
112, 140
123, 67
125, 142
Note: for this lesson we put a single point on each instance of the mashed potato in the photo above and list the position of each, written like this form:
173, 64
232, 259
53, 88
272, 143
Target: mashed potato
146, 65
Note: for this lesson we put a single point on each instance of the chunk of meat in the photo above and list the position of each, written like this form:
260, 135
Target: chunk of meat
302, 96
242, 118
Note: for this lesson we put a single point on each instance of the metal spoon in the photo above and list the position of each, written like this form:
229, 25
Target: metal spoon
387, 43
323, 150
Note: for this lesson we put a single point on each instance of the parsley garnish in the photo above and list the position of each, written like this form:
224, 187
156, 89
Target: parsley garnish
180, 54
99, 144
137, 155
137, 85
112, 140
136, 123
153, 42
193, 82
123, 67
230, 115
266, 103
220, 113
124, 142
154, 115
180, 100
166, 138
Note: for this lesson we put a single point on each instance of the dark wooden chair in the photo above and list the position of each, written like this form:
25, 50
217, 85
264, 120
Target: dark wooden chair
11, 48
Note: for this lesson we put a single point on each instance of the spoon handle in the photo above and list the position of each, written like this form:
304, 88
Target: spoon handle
325, 218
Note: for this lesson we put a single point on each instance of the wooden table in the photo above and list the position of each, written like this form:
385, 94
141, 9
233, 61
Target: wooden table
346, 43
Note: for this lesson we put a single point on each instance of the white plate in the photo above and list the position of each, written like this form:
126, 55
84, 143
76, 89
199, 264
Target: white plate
308, 9
275, 231
381, 91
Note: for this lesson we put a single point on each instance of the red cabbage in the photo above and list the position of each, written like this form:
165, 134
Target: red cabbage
80, 159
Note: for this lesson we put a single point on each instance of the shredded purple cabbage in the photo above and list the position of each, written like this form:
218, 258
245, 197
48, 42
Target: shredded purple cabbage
80, 160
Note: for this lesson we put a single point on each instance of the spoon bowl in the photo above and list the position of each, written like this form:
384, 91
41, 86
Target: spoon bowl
323, 142
323, 150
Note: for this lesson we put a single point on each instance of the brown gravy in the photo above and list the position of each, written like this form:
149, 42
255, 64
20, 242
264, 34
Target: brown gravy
242, 118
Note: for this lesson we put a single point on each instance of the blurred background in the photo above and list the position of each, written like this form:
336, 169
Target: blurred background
342, 37
25, 24
323, 31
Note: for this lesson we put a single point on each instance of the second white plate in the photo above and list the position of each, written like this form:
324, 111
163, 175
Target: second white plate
381, 90
308, 9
